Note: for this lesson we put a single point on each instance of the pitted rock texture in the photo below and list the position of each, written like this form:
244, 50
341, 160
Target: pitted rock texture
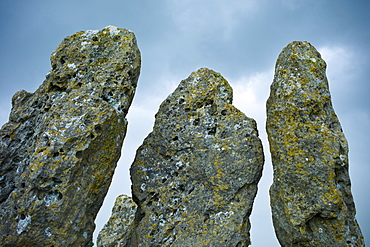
118, 229
195, 176
311, 198
60, 147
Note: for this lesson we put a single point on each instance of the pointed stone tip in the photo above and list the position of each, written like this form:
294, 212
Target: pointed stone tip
299, 48
111, 26
300, 43
204, 72
115, 30
302, 53
210, 83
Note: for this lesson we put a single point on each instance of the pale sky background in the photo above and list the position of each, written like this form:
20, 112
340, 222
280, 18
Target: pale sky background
241, 39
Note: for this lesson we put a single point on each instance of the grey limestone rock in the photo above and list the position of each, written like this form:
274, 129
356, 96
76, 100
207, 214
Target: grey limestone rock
118, 229
59, 150
311, 198
195, 176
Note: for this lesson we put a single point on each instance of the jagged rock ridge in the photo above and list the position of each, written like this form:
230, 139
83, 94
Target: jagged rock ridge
60, 147
195, 176
311, 198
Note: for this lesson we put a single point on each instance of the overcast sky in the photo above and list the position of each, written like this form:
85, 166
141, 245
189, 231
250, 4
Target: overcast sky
241, 39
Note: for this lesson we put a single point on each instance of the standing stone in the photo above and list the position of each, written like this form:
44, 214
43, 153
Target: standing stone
195, 176
61, 145
311, 198
118, 229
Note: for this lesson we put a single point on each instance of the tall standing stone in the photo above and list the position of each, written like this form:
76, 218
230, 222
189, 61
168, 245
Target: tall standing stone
195, 176
311, 198
61, 145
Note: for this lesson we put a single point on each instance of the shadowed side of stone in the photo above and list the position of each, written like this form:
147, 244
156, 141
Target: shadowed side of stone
195, 176
118, 229
311, 198
61, 145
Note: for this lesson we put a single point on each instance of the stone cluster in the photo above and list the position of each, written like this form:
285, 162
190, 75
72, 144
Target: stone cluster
59, 150
194, 178
311, 198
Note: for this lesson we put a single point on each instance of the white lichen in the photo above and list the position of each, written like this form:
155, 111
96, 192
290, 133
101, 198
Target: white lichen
72, 66
224, 93
84, 44
47, 232
22, 224
144, 151
90, 33
51, 198
142, 187
113, 30
222, 217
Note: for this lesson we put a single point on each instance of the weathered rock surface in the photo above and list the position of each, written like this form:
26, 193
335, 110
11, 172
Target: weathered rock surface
118, 229
311, 198
195, 176
60, 147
